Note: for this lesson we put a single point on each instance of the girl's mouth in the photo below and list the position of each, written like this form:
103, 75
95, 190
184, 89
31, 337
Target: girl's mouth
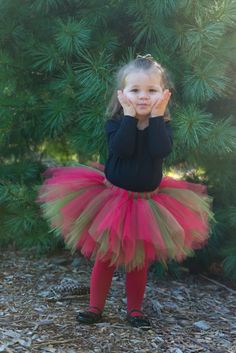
142, 105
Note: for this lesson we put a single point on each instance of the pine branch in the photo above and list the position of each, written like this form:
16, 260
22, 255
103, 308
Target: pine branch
201, 37
65, 83
221, 138
105, 39
27, 170
91, 127
14, 195
195, 9
229, 264
138, 8
44, 6
146, 30
221, 178
94, 76
164, 8
97, 13
56, 118
46, 57
226, 50
11, 32
226, 12
229, 215
191, 127
128, 55
147, 20
6, 60
6, 120
72, 36
205, 81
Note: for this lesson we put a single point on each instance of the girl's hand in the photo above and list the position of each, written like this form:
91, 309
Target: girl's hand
159, 107
126, 104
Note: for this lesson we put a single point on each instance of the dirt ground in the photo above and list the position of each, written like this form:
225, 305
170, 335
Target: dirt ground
190, 315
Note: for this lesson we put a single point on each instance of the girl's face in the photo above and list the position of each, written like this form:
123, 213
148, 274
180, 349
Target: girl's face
143, 89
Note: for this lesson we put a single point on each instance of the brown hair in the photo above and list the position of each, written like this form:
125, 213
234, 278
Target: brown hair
146, 62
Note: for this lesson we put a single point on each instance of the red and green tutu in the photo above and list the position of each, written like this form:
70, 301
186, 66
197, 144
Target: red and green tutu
124, 227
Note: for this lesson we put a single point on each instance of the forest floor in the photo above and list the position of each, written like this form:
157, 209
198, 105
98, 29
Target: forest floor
193, 314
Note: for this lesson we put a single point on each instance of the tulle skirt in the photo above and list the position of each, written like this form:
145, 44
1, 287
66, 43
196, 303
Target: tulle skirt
124, 227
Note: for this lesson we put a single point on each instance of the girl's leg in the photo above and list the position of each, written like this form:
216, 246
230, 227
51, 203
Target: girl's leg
100, 283
135, 288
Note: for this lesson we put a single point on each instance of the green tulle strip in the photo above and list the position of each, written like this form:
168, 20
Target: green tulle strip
170, 231
51, 210
103, 243
139, 257
85, 218
137, 261
201, 204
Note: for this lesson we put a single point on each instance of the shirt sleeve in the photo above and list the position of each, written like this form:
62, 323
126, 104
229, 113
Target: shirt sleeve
121, 136
159, 137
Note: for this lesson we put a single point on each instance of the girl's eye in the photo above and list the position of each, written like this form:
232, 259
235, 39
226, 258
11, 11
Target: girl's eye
134, 90
153, 90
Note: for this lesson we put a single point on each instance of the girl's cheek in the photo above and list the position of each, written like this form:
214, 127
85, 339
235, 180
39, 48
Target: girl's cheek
129, 95
156, 97
125, 92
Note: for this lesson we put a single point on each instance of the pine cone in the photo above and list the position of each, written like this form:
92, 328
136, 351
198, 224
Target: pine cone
68, 289
71, 288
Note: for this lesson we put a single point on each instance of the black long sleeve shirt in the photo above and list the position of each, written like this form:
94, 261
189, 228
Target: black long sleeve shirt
135, 156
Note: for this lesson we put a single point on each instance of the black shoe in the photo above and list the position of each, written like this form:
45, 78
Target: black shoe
89, 317
139, 321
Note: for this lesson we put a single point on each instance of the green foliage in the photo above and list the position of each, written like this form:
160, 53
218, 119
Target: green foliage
205, 81
57, 59
229, 262
221, 139
192, 126
227, 12
20, 221
94, 76
72, 36
161, 270
46, 57
91, 140
57, 117
228, 251
44, 6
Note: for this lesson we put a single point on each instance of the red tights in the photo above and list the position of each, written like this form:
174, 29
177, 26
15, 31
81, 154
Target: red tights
101, 281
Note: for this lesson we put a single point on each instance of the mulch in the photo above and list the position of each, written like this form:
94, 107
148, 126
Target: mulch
189, 315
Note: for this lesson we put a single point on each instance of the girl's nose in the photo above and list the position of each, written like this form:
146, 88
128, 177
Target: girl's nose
144, 95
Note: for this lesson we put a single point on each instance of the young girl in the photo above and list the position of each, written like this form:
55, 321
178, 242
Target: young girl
129, 215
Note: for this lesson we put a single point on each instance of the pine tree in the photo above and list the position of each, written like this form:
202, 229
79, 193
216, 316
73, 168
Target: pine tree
57, 59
